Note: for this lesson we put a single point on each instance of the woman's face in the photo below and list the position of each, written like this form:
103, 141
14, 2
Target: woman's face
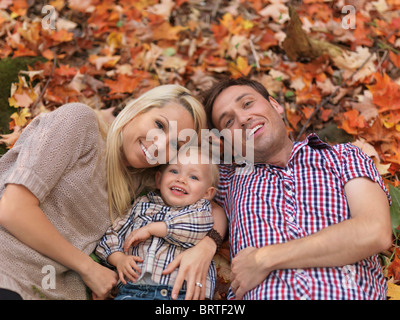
148, 139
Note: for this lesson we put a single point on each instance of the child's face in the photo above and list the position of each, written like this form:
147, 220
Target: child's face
184, 184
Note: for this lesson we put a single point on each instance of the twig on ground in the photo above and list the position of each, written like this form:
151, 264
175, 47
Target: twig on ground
46, 84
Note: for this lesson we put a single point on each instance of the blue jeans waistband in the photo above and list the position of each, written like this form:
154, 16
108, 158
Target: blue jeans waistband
131, 291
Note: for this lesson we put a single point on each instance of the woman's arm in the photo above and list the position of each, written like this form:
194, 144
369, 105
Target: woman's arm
21, 215
194, 263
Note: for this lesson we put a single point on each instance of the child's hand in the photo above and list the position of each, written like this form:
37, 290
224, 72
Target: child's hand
137, 236
126, 266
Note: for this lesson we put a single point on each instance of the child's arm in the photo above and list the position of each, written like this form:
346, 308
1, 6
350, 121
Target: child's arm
157, 229
189, 226
113, 239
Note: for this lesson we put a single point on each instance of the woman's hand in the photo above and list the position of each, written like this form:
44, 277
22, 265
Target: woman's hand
100, 280
193, 266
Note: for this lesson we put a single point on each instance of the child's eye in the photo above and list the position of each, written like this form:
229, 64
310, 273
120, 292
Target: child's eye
194, 178
174, 171
174, 144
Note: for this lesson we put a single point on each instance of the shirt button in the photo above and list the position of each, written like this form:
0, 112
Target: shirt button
164, 292
290, 193
291, 219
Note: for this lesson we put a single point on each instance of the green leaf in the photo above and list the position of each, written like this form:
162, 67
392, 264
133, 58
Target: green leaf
395, 208
289, 94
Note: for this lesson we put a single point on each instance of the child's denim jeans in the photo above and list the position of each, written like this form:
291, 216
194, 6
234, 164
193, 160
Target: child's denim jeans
132, 291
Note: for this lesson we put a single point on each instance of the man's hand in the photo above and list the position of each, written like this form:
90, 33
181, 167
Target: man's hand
247, 271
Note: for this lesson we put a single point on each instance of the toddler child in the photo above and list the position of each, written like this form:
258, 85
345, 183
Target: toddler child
159, 226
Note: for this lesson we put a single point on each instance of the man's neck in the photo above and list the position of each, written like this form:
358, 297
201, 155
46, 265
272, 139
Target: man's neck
281, 157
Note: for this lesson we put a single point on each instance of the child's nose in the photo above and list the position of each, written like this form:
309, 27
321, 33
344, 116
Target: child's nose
181, 179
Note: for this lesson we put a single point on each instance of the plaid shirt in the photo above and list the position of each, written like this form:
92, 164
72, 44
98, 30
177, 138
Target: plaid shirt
186, 226
274, 205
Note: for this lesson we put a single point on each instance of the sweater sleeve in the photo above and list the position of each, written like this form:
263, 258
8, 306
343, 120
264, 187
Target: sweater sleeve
114, 238
51, 144
188, 226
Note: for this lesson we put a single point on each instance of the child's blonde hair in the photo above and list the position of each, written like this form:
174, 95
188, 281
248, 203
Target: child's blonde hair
125, 183
193, 146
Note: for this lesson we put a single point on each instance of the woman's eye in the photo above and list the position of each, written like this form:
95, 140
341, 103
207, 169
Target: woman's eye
159, 125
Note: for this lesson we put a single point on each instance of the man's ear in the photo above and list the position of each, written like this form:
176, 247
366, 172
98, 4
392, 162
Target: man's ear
158, 179
275, 104
210, 193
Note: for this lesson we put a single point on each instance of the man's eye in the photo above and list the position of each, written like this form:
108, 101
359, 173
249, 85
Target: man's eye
247, 104
228, 123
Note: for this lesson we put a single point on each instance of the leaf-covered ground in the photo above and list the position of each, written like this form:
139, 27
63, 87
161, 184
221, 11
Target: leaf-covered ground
333, 65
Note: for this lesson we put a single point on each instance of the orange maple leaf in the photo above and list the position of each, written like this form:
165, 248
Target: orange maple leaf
385, 92
123, 84
395, 58
352, 121
394, 267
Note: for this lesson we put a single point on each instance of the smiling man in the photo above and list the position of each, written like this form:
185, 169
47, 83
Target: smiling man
305, 215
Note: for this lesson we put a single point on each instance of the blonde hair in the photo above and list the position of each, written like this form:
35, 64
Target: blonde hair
125, 183
193, 146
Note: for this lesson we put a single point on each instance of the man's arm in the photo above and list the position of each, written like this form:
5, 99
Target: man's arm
368, 232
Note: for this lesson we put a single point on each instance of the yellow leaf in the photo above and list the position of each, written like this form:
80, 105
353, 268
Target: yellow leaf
243, 65
393, 292
12, 102
247, 24
20, 118
388, 124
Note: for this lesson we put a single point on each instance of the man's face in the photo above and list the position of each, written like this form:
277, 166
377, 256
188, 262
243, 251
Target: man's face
243, 108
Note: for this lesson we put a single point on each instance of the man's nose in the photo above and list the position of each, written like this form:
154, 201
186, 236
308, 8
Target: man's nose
244, 120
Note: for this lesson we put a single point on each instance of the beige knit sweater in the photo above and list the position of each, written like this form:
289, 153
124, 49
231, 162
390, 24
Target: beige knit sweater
59, 157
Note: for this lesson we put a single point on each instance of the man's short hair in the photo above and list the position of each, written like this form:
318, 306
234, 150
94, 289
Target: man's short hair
211, 95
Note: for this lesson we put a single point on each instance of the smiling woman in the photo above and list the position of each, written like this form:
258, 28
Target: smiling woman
156, 109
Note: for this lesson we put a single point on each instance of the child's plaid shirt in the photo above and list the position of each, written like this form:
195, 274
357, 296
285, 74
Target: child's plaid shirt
186, 226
